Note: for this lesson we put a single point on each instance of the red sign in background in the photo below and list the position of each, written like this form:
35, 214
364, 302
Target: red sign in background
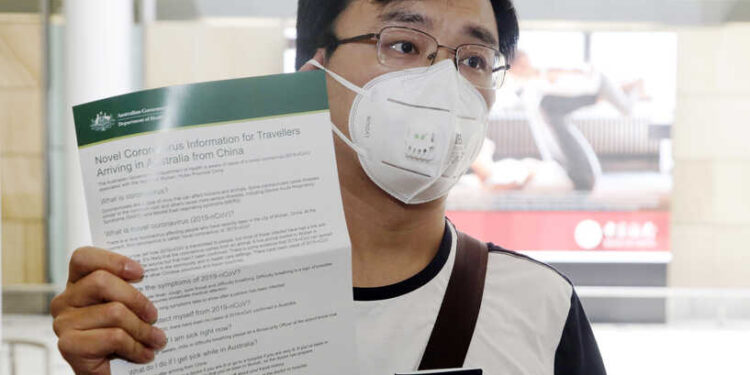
568, 230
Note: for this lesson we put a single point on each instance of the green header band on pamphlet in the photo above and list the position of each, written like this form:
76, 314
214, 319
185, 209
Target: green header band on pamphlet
200, 104
185, 127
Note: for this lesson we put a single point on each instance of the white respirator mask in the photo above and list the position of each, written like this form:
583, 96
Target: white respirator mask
416, 131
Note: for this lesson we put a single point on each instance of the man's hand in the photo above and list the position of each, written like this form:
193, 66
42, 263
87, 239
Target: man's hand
100, 316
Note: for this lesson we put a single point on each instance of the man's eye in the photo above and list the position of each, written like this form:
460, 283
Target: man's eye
405, 47
475, 62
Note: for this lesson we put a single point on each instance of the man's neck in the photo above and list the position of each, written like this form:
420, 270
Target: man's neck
390, 241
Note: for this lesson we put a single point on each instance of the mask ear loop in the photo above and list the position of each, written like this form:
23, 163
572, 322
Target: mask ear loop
359, 150
343, 81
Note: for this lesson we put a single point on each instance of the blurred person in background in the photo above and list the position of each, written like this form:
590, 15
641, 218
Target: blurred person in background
549, 97
403, 248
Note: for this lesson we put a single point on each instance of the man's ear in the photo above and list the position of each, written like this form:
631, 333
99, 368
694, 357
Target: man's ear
320, 57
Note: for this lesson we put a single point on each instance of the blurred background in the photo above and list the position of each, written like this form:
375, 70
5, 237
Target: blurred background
618, 151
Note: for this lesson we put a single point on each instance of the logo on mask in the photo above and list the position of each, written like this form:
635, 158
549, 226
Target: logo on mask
420, 145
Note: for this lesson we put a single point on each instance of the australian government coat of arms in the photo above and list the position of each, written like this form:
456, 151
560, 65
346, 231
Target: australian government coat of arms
102, 122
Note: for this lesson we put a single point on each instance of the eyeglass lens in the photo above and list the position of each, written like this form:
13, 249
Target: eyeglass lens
404, 48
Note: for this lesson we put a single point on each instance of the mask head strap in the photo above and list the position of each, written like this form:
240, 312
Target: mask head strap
343, 81
359, 150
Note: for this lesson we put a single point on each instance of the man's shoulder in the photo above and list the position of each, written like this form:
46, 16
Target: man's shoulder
525, 307
507, 269
537, 311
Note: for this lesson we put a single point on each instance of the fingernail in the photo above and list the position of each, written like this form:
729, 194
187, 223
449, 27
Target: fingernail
148, 355
151, 313
133, 270
159, 338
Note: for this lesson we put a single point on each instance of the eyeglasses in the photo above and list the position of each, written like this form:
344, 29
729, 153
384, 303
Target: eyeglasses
403, 48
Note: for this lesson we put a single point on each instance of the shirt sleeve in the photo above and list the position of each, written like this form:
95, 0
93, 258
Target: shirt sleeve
577, 353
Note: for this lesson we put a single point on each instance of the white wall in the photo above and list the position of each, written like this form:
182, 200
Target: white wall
178, 52
711, 212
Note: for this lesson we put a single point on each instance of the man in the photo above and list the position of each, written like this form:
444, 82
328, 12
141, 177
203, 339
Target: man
530, 322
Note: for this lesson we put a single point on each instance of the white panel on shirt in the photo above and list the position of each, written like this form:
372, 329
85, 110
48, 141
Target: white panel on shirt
523, 313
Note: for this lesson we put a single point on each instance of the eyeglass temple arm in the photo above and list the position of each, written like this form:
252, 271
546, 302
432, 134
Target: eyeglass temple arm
504, 67
357, 38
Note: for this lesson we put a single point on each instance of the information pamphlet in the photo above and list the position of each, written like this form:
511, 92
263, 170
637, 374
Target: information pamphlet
227, 193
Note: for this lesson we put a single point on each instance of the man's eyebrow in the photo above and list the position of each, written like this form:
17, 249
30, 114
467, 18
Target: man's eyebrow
475, 31
405, 17
481, 33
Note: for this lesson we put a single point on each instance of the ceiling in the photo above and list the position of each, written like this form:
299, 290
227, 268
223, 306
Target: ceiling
670, 12
673, 12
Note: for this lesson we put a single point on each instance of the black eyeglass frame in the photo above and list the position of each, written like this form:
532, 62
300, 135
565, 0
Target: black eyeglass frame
360, 38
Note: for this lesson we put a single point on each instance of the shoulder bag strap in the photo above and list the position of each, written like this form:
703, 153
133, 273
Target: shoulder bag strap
458, 314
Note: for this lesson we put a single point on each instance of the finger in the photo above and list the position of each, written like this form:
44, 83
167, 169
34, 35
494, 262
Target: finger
86, 260
59, 304
102, 286
86, 350
111, 315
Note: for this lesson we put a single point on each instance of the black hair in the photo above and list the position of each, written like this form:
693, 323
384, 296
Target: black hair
316, 18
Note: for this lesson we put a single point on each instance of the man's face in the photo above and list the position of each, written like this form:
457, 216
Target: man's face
451, 22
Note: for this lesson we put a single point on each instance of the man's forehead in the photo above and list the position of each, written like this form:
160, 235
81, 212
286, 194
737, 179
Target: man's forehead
475, 8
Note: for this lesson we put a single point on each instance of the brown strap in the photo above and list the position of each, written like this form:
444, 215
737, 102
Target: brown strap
458, 314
